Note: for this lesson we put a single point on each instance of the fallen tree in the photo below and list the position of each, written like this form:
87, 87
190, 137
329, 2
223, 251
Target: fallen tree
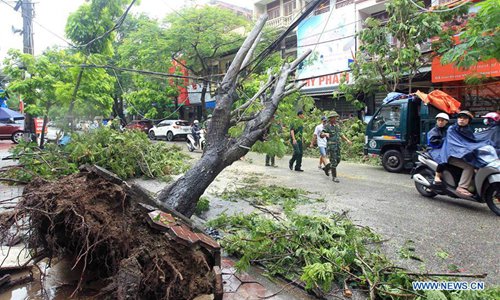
222, 149
101, 224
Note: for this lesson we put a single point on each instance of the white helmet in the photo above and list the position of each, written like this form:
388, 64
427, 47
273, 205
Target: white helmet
196, 122
443, 116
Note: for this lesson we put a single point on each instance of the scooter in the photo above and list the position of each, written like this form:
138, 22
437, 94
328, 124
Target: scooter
486, 180
191, 144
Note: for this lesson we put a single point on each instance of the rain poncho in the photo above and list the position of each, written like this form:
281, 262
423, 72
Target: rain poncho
461, 143
491, 134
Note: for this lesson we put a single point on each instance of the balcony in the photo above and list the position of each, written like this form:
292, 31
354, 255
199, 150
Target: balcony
281, 22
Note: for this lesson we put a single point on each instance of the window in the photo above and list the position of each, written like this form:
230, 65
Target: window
182, 123
273, 9
288, 7
388, 115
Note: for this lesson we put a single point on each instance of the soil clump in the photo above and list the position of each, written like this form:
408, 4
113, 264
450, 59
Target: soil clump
101, 225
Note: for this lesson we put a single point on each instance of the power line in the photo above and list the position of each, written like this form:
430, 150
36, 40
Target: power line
116, 26
39, 24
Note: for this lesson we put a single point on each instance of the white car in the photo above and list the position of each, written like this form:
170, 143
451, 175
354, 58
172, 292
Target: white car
170, 129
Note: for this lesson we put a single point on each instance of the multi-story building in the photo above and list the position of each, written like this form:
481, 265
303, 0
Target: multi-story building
330, 32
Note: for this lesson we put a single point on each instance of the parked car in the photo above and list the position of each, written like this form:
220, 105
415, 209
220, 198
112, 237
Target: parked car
11, 131
142, 125
170, 129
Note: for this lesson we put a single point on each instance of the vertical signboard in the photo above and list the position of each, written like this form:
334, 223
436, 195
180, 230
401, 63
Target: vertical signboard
332, 39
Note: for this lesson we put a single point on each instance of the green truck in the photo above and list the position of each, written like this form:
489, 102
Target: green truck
399, 128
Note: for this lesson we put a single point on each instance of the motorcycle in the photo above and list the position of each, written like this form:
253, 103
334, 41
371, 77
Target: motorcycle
191, 144
486, 180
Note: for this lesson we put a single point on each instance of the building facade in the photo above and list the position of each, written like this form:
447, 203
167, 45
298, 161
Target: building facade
330, 32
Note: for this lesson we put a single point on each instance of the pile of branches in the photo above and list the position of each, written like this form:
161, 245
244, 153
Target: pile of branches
321, 253
101, 226
128, 154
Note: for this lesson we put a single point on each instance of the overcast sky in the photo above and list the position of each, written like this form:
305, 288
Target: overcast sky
51, 15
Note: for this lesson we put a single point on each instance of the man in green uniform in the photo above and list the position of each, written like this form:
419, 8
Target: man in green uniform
296, 130
332, 133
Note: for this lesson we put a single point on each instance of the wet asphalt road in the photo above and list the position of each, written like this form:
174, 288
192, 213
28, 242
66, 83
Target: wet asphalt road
462, 231
389, 203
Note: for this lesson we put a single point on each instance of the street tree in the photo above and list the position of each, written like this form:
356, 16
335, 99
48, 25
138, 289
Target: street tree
199, 37
142, 45
391, 49
91, 29
38, 79
223, 148
480, 40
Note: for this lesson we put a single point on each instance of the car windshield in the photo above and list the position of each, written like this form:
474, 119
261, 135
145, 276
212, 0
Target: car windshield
182, 123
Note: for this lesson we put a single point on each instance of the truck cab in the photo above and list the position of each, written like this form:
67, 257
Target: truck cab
399, 128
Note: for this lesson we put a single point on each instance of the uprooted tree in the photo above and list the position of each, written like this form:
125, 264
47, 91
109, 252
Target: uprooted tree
222, 149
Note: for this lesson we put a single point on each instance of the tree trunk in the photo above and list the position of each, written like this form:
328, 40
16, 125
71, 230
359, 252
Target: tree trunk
70, 119
44, 125
221, 149
203, 97
183, 194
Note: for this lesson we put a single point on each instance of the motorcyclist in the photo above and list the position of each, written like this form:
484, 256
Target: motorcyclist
492, 132
458, 150
195, 131
435, 139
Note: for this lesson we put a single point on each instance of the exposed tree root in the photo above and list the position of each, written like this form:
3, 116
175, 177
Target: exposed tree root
104, 230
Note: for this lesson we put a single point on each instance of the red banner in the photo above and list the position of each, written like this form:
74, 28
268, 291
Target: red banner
449, 72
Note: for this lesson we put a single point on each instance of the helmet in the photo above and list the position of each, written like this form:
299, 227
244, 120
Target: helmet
196, 122
333, 114
443, 116
466, 113
492, 115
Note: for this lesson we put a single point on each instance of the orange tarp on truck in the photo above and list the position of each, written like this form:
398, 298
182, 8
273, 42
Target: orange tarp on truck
441, 101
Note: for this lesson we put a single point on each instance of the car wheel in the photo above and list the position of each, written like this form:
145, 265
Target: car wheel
17, 136
392, 160
152, 135
422, 189
492, 196
170, 136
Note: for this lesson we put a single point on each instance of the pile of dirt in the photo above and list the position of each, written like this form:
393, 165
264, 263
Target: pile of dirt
103, 229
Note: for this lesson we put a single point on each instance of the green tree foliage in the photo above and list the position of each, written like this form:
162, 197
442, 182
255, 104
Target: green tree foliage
390, 51
36, 79
481, 38
46, 85
91, 21
143, 46
201, 36
128, 154
91, 28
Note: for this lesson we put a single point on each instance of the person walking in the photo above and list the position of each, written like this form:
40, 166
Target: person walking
333, 135
321, 142
296, 131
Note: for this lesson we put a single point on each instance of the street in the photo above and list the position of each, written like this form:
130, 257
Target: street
463, 231
387, 202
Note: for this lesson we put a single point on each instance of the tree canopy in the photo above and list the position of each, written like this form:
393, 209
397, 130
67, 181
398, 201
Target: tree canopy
391, 50
481, 38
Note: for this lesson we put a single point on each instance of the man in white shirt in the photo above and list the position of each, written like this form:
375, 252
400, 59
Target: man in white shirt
321, 142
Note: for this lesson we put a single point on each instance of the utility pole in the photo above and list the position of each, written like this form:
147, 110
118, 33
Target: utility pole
27, 11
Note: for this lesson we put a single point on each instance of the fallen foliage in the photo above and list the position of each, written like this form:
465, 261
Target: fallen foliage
128, 154
323, 252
